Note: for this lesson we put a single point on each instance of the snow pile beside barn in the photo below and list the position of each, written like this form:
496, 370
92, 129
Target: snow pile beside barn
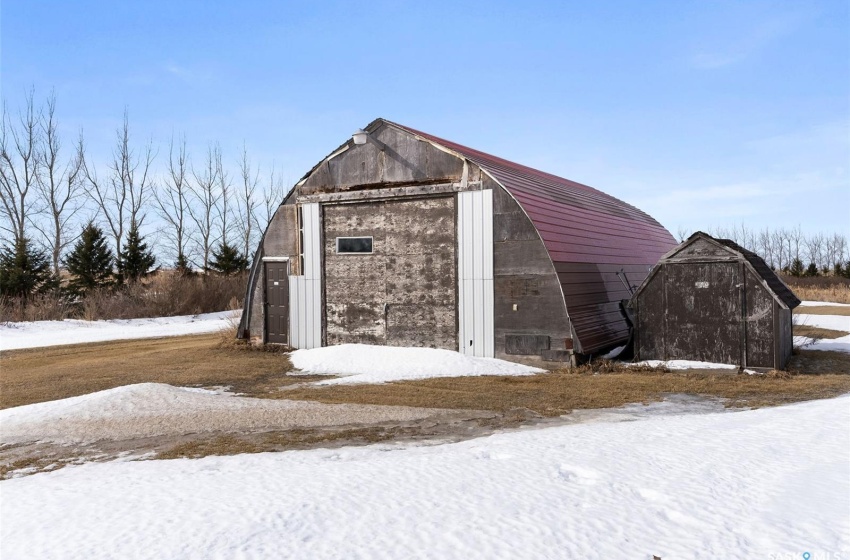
772, 482
362, 363
37, 334
156, 409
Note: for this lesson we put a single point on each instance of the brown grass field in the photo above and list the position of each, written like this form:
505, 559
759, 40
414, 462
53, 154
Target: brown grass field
819, 289
823, 310
37, 375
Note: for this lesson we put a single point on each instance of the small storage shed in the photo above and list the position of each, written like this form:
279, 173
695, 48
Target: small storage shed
712, 300
402, 238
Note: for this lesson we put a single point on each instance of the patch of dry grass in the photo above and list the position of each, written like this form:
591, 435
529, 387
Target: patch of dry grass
823, 310
43, 374
839, 293
233, 444
817, 333
560, 392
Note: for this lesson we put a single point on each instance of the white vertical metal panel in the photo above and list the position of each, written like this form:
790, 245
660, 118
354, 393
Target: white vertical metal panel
487, 233
475, 273
487, 284
489, 325
461, 253
312, 248
305, 293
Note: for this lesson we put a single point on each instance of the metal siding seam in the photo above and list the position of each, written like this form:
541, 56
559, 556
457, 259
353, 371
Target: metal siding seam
293, 311
489, 330
461, 254
478, 274
308, 323
467, 272
487, 247
302, 312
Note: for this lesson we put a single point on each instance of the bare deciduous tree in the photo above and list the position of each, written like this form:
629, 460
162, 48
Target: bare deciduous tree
121, 197
206, 195
172, 200
19, 167
60, 185
223, 208
272, 198
247, 202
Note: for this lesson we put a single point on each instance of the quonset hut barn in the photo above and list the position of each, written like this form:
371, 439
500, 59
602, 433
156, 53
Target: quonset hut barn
401, 238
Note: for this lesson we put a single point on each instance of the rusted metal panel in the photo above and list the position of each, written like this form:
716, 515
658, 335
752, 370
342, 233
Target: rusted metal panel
403, 293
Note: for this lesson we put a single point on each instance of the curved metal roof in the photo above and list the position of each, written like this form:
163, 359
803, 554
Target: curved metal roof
590, 236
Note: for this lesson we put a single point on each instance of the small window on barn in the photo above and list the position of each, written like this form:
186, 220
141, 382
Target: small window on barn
353, 244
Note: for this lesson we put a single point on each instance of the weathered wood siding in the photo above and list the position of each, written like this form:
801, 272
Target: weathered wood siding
703, 312
705, 301
529, 307
402, 294
390, 157
760, 346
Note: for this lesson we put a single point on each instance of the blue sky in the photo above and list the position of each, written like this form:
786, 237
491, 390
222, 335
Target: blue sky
701, 113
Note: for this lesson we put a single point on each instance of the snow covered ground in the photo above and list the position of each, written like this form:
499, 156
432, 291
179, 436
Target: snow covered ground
768, 483
72, 331
834, 322
362, 363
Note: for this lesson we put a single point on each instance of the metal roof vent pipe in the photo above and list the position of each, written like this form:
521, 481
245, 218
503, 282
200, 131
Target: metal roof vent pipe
360, 137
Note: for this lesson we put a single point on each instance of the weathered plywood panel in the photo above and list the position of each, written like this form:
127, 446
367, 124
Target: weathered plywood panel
759, 326
403, 293
390, 157
702, 248
703, 312
649, 313
281, 238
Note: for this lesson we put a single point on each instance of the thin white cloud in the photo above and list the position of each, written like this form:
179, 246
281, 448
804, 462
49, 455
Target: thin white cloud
730, 52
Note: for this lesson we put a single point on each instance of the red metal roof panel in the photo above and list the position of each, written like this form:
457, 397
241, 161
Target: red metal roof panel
580, 226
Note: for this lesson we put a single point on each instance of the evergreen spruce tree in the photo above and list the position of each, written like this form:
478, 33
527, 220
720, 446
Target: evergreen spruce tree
135, 260
228, 260
24, 270
182, 267
812, 270
90, 262
796, 268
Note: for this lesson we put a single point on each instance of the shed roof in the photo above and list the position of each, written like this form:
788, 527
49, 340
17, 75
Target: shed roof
589, 235
774, 282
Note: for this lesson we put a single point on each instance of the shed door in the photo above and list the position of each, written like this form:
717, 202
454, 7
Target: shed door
277, 302
704, 312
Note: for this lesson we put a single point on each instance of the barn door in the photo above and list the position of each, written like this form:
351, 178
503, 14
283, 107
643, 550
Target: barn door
277, 302
703, 319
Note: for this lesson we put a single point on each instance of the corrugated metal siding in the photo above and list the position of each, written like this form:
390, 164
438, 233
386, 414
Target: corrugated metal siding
305, 291
581, 226
475, 273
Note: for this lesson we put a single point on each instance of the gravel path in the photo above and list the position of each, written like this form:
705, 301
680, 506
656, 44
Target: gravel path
155, 409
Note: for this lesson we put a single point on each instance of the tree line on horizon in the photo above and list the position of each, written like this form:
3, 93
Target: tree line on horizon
68, 223
790, 250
